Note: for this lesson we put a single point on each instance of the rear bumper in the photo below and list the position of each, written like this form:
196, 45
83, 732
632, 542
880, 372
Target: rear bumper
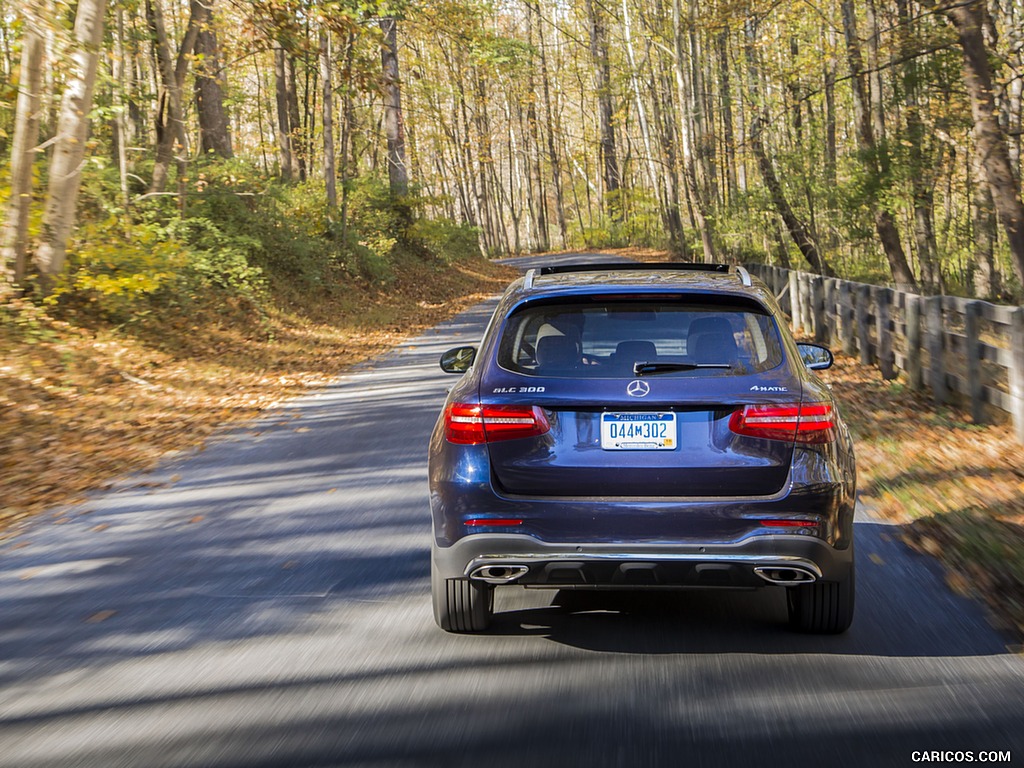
754, 562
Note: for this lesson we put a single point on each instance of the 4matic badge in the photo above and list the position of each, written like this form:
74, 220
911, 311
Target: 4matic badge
757, 388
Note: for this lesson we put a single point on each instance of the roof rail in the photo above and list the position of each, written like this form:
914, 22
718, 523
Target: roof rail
743, 275
557, 269
528, 280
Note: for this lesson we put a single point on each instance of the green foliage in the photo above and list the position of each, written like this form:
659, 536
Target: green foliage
217, 258
238, 233
116, 269
447, 240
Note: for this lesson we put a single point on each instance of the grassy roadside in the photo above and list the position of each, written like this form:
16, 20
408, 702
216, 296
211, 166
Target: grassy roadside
955, 488
81, 405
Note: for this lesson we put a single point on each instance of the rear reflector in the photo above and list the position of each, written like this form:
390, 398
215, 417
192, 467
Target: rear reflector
802, 423
493, 522
471, 424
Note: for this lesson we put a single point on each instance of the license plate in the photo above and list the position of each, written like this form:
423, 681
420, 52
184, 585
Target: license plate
638, 431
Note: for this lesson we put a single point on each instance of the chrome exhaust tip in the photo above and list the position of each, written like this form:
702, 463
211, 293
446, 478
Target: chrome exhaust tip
499, 574
786, 575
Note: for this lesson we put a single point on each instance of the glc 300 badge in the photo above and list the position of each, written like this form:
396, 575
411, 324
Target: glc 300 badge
638, 388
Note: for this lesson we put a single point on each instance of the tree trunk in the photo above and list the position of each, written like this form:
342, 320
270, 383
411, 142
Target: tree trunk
347, 123
728, 140
214, 126
885, 223
654, 176
284, 127
119, 123
606, 111
72, 130
921, 160
327, 81
830, 119
986, 278
537, 190
797, 229
553, 158
170, 128
14, 243
989, 137
291, 95
394, 127
697, 204
664, 118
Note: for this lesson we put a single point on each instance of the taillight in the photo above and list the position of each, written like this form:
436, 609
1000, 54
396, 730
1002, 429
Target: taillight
470, 424
799, 422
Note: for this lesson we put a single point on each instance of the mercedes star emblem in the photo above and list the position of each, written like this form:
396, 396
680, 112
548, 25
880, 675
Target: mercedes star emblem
638, 388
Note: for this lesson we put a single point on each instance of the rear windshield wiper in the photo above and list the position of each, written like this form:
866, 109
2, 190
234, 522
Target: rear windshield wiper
642, 368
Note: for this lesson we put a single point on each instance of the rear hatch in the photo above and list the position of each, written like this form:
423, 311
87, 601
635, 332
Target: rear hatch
643, 398
678, 445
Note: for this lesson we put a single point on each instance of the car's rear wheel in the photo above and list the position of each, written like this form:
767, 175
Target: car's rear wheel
460, 605
824, 607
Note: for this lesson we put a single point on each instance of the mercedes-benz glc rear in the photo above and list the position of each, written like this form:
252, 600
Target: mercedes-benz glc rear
641, 427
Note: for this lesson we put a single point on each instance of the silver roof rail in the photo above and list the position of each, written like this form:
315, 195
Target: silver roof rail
528, 280
744, 275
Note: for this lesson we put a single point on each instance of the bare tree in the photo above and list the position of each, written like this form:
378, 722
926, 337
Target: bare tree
885, 222
170, 128
284, 126
72, 129
14, 241
214, 126
605, 105
394, 127
968, 19
327, 81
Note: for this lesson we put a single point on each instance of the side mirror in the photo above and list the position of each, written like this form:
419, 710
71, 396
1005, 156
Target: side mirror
815, 356
458, 360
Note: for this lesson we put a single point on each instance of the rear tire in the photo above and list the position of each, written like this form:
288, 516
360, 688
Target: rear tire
460, 605
824, 607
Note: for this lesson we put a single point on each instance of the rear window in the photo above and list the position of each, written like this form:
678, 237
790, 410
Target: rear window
585, 340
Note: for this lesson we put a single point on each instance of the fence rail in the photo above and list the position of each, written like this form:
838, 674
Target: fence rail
951, 346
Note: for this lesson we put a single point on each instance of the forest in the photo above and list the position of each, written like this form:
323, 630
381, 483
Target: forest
164, 149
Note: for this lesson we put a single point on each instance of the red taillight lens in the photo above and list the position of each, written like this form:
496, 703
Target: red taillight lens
799, 422
470, 424
494, 522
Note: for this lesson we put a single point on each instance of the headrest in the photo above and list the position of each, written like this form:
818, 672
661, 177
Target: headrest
715, 348
636, 350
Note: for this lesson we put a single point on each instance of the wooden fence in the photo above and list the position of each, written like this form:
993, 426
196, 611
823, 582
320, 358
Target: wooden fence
960, 349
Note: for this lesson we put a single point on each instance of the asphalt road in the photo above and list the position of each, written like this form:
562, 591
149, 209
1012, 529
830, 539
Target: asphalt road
265, 602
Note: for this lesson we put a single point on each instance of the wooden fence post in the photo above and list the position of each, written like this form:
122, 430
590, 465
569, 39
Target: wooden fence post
846, 319
863, 293
934, 338
831, 316
818, 309
912, 313
807, 298
975, 386
1016, 371
886, 359
794, 301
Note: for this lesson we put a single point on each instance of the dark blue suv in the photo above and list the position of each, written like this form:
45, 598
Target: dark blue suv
641, 426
